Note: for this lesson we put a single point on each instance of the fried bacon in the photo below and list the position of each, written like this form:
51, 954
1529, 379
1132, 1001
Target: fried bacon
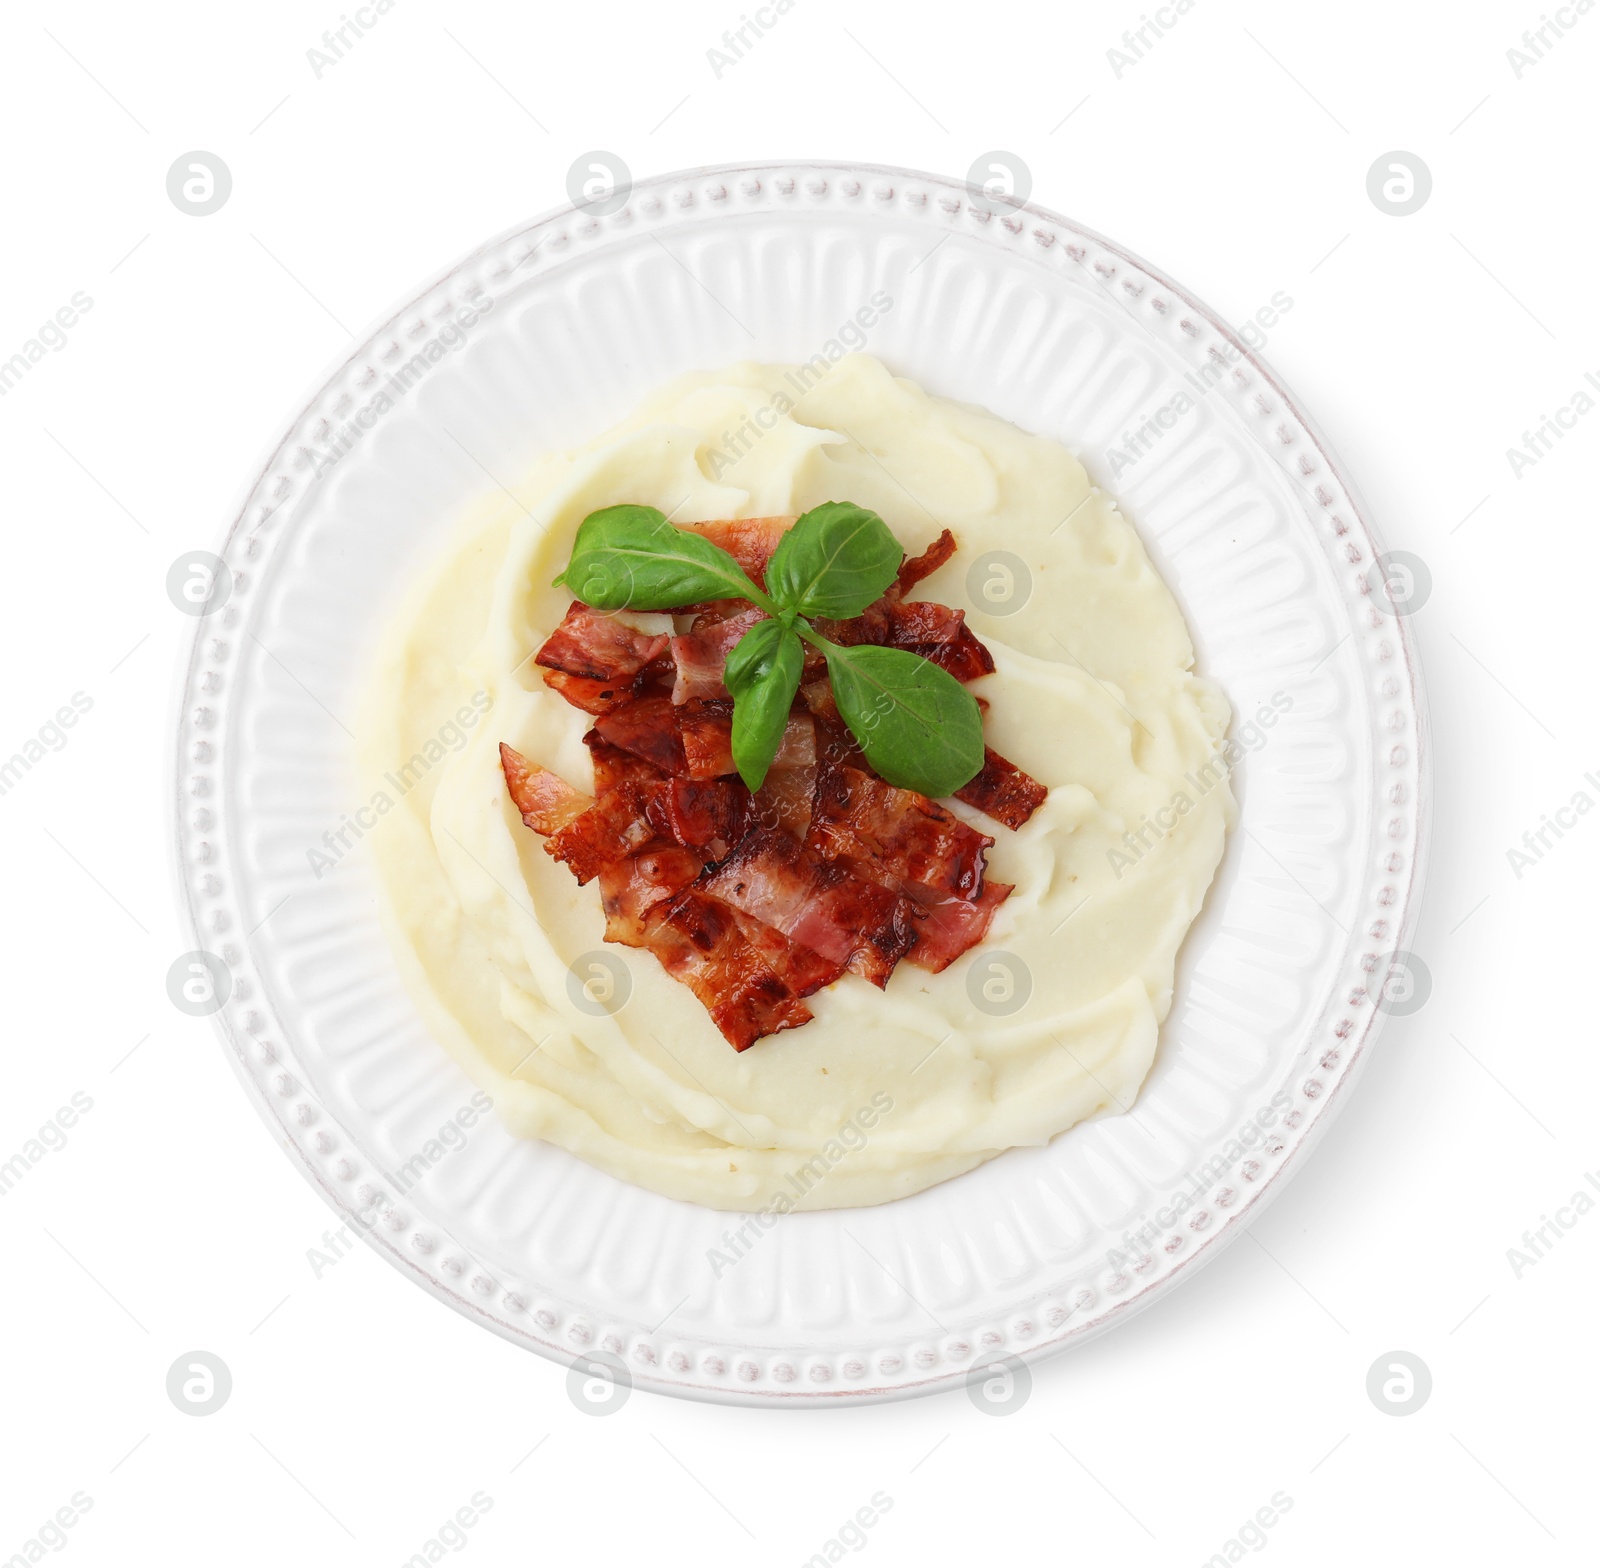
547, 803
903, 835
647, 727
937, 632
633, 885
582, 691
749, 540
699, 942
802, 969
614, 766
707, 729
940, 634
864, 927
708, 814
599, 646
699, 654
706, 725
694, 740
757, 901
784, 800
947, 929
1003, 790
617, 824
915, 567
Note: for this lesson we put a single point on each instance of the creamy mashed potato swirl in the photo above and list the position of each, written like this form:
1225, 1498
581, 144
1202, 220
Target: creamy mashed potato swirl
1050, 1020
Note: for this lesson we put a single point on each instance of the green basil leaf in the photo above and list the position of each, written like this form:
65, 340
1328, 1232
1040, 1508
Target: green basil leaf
918, 725
763, 673
632, 558
835, 561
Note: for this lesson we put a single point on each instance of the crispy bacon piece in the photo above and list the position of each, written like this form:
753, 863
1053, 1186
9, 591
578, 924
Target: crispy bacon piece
613, 765
547, 803
818, 697
700, 654
706, 726
648, 727
707, 730
770, 877
940, 634
709, 814
631, 887
749, 540
1003, 790
784, 800
615, 826
598, 646
699, 942
936, 631
915, 567
593, 696
949, 928
803, 969
902, 835
695, 740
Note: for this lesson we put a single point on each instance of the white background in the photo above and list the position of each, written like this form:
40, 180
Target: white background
1234, 155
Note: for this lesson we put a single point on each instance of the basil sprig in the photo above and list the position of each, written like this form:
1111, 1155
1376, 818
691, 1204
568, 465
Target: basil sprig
918, 726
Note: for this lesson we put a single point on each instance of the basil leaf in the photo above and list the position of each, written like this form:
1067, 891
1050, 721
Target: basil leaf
632, 558
835, 561
918, 725
763, 673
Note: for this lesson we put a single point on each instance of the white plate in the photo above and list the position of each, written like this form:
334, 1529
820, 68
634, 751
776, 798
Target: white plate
1247, 516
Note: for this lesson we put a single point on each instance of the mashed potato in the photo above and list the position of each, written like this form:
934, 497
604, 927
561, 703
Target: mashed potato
593, 1047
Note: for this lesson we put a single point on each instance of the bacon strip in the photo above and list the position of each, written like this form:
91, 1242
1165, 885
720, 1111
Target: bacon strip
648, 727
904, 836
936, 631
749, 540
631, 887
1003, 790
940, 635
593, 696
707, 730
770, 877
699, 942
598, 646
614, 827
784, 800
707, 814
547, 802
948, 929
700, 654
706, 727
749, 977
915, 567
802, 969
614, 766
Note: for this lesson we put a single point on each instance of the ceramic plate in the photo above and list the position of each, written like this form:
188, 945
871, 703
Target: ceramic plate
1282, 984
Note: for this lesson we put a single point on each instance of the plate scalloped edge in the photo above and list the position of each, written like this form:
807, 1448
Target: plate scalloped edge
261, 1047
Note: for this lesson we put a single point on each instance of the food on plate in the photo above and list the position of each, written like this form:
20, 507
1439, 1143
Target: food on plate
781, 876
757, 898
